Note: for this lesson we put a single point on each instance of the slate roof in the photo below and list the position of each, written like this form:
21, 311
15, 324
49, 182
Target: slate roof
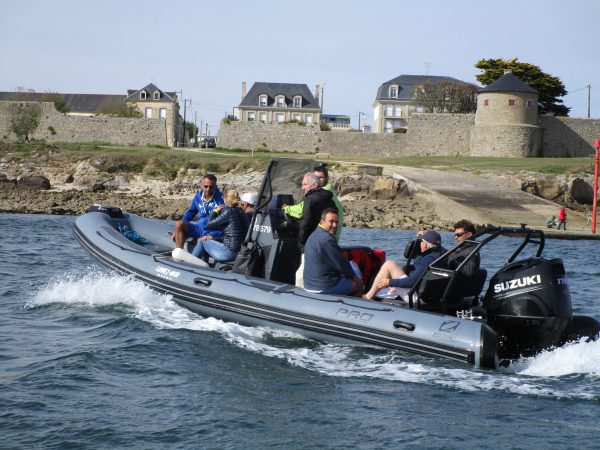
77, 103
288, 90
134, 94
90, 103
407, 84
508, 82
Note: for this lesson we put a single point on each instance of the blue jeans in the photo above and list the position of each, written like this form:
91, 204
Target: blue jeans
344, 286
214, 249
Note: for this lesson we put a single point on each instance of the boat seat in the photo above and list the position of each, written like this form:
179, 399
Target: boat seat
464, 293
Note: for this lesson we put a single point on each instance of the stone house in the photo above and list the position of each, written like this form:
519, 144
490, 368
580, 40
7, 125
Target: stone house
279, 103
156, 104
150, 101
394, 100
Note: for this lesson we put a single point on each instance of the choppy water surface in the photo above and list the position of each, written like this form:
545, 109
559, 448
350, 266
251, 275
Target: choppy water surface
92, 359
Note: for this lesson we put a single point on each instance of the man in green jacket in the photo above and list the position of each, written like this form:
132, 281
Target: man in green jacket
321, 172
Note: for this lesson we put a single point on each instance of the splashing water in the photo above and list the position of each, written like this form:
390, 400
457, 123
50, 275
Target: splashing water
534, 376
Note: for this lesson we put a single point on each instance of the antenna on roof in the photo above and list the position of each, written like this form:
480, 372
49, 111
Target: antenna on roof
427, 66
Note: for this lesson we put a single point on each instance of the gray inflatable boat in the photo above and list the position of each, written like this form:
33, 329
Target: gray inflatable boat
526, 308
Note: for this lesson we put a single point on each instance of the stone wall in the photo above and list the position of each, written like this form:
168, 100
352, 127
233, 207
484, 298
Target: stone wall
512, 141
439, 134
566, 136
54, 127
432, 134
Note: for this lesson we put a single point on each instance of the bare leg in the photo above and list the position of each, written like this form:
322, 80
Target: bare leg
181, 230
390, 269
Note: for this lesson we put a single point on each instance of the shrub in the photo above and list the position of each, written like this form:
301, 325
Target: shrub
52, 130
59, 102
325, 127
399, 130
24, 119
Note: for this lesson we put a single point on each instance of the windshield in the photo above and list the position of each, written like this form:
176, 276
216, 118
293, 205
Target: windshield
282, 182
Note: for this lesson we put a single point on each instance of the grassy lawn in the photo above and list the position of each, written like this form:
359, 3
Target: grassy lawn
114, 158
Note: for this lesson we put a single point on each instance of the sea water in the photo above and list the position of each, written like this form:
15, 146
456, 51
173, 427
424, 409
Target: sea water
91, 359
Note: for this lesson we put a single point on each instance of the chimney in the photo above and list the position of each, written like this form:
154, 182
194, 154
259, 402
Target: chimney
318, 94
243, 89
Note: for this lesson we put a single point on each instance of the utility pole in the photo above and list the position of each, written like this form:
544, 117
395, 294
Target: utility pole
589, 86
184, 111
195, 128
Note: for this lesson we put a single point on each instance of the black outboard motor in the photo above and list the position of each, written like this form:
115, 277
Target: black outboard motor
528, 304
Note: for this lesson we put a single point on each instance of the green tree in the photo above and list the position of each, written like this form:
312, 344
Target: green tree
190, 128
121, 109
447, 97
59, 102
549, 87
24, 119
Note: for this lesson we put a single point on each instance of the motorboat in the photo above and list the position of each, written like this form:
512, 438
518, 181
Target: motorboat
525, 309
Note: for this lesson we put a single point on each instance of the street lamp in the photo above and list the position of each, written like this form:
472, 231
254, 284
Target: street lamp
359, 114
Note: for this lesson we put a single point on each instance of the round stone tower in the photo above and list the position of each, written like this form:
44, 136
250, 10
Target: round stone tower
506, 121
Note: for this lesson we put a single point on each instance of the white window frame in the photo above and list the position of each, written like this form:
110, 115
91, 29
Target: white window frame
388, 111
148, 113
143, 95
393, 93
280, 117
308, 118
162, 113
262, 117
280, 101
251, 116
297, 116
397, 111
513, 101
297, 101
388, 127
156, 95
263, 100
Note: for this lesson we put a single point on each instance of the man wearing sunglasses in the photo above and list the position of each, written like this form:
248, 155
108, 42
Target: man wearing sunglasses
204, 202
463, 230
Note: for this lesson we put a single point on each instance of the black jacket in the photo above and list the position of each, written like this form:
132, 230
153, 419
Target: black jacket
234, 224
315, 201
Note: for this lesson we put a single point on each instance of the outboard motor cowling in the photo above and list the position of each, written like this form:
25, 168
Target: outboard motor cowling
528, 303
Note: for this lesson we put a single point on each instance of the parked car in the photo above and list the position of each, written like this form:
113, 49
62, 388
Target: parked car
208, 142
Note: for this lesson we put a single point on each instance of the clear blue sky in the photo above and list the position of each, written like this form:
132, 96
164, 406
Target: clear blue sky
206, 49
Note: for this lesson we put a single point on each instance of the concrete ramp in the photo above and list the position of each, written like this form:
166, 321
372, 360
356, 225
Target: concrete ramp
457, 195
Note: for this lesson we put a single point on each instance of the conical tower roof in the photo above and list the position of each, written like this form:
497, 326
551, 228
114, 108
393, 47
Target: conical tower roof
508, 83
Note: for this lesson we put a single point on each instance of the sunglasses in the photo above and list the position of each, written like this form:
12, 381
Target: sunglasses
460, 234
210, 187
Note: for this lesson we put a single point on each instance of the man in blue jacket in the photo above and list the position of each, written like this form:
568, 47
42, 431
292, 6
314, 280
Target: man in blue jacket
326, 270
392, 275
203, 204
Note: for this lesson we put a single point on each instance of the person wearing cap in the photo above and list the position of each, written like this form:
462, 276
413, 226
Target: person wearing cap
322, 174
203, 204
248, 202
392, 275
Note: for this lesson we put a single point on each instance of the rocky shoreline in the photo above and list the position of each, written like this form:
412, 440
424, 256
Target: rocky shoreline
40, 185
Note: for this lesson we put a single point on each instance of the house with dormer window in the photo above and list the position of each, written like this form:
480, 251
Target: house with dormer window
394, 101
154, 103
278, 103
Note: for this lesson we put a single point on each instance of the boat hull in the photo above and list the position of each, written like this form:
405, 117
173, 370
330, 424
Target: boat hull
257, 302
